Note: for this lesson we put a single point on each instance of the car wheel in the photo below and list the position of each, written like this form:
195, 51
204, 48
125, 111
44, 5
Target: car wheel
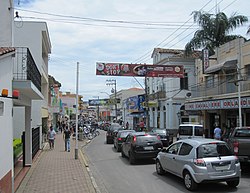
189, 182
118, 149
233, 183
159, 168
131, 158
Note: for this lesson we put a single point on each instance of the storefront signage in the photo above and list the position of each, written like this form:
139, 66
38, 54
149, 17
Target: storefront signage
149, 70
218, 104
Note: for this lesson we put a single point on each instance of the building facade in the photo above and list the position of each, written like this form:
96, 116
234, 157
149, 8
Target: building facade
220, 86
167, 96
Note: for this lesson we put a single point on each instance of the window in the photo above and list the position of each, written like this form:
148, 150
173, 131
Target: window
248, 72
213, 150
210, 82
174, 148
184, 82
1, 108
185, 130
243, 133
185, 149
198, 131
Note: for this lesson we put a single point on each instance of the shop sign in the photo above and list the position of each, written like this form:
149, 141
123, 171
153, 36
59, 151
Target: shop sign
205, 59
218, 104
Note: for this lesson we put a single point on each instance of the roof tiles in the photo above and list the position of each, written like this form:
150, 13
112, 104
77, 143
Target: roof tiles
6, 50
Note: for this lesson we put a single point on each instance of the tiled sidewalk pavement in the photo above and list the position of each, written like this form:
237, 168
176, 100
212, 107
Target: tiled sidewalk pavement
57, 171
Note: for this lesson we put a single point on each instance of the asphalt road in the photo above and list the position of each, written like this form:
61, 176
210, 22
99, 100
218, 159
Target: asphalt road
114, 174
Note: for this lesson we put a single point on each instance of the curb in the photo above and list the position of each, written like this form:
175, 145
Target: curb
86, 164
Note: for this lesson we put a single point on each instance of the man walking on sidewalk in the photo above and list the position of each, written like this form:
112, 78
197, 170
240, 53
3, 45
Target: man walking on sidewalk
51, 136
66, 137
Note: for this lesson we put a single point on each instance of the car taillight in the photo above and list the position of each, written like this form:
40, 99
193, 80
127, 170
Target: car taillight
119, 139
199, 162
236, 147
134, 139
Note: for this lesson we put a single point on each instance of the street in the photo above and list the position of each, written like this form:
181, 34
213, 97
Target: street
114, 174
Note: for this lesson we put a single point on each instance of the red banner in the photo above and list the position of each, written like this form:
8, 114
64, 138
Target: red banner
149, 70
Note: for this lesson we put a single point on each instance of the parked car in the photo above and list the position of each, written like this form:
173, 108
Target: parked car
120, 137
199, 160
190, 130
163, 135
111, 132
239, 141
140, 145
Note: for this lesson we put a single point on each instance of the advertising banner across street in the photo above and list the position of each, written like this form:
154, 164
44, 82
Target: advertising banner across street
149, 70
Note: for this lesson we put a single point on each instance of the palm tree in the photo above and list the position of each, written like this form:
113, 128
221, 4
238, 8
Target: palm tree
215, 29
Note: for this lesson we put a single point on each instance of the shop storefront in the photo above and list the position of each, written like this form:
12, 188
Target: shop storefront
224, 112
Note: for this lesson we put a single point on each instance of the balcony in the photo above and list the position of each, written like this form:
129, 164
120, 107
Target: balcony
26, 76
219, 89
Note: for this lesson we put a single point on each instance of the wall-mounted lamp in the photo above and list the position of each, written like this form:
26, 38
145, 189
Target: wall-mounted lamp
5, 92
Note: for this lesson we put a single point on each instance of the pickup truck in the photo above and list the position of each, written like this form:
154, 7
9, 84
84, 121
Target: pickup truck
239, 142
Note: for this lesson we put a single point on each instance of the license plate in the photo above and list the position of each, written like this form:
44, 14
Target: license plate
149, 148
221, 168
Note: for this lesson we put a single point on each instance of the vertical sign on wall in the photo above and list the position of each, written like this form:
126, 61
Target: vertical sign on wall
205, 59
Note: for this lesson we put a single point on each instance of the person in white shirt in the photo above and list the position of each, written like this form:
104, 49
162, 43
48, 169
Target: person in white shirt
51, 137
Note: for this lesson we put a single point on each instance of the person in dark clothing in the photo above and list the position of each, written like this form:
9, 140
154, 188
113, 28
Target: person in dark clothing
66, 137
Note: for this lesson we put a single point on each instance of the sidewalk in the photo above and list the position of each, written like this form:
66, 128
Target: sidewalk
57, 171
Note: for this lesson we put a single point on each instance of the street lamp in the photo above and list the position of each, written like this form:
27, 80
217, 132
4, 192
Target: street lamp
112, 82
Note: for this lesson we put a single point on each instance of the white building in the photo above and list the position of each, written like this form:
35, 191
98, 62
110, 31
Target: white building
169, 94
24, 68
39, 45
6, 120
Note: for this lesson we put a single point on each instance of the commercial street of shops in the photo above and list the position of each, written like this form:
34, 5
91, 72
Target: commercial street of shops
101, 169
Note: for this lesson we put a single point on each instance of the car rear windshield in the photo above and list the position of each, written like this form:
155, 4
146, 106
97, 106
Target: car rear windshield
213, 150
124, 134
146, 138
244, 133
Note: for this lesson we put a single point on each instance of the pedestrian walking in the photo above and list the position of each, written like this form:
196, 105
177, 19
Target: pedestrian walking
217, 133
142, 125
51, 137
127, 125
66, 137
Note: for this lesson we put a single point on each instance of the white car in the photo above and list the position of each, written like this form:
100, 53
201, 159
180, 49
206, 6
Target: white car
199, 160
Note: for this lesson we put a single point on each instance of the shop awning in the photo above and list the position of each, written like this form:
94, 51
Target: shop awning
228, 65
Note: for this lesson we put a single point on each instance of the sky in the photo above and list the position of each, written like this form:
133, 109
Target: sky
122, 31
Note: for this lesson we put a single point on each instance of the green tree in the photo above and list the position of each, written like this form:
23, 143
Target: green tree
214, 30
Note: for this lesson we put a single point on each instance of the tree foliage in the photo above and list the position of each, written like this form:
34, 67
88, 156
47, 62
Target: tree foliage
214, 30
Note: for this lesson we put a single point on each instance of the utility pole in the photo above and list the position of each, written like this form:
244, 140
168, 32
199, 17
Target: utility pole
77, 80
146, 102
239, 79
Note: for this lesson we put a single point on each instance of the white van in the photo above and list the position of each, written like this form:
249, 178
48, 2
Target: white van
190, 130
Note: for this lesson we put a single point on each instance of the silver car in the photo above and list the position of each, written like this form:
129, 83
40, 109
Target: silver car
199, 160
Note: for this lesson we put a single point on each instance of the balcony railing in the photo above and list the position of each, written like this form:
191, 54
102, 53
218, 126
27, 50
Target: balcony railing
219, 89
25, 67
